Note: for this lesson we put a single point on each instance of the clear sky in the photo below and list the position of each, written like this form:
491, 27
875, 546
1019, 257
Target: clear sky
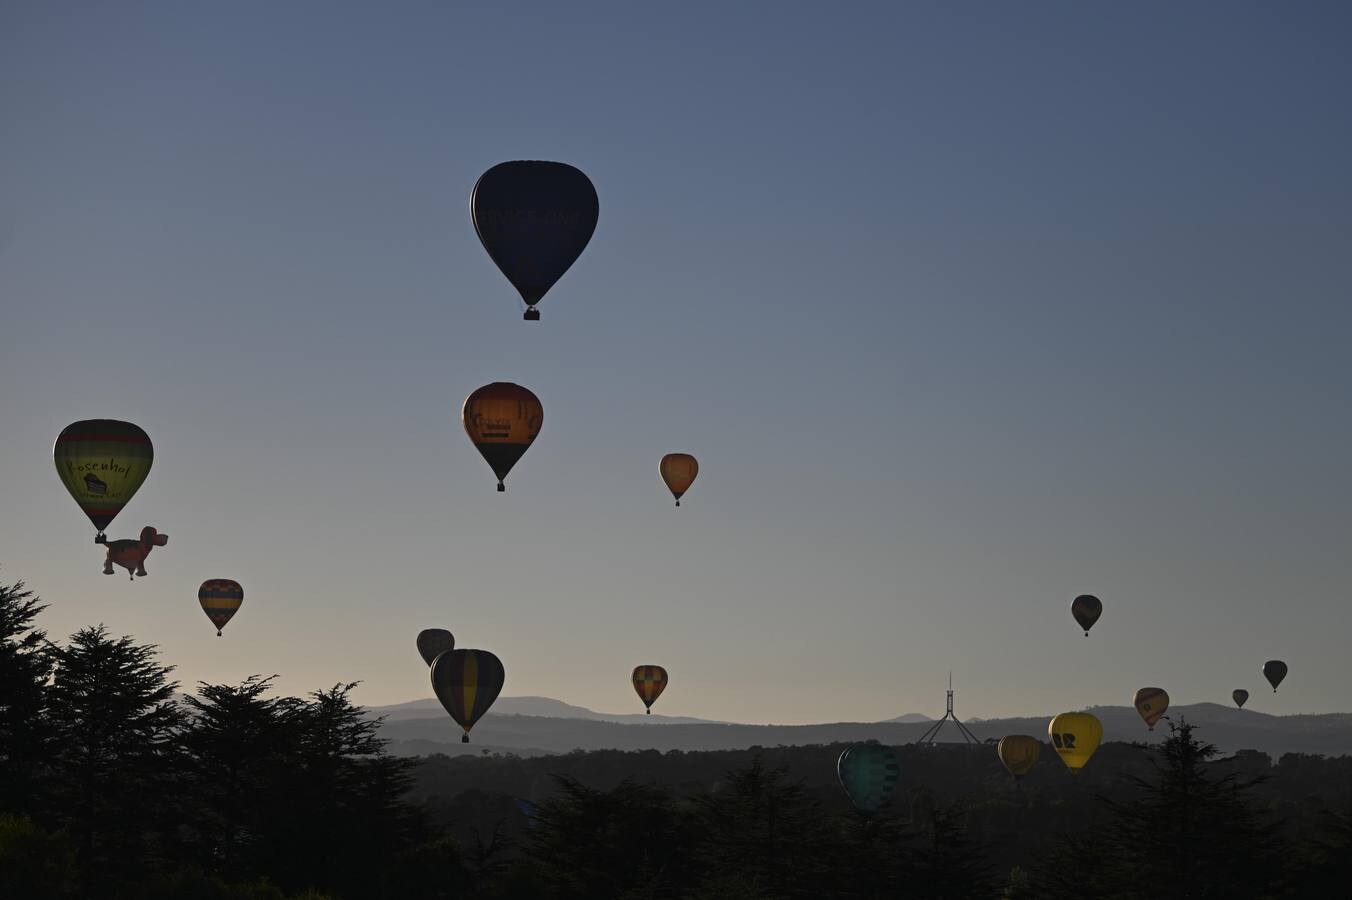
965, 309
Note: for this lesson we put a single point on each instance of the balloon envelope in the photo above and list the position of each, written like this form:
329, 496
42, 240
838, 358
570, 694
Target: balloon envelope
649, 683
1151, 702
467, 682
432, 642
1086, 609
868, 773
1075, 736
502, 419
102, 463
534, 218
1241, 697
1274, 670
1019, 753
220, 599
678, 471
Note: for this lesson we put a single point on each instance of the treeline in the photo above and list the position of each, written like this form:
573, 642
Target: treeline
111, 789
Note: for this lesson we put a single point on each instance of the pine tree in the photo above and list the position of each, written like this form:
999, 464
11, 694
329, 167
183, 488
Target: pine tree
1193, 831
116, 721
26, 732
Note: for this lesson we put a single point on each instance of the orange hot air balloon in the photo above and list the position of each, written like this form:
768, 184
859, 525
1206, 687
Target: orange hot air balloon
679, 471
1019, 753
1151, 702
649, 683
502, 419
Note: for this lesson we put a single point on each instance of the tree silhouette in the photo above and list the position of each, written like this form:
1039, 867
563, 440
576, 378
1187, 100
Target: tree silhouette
26, 733
112, 766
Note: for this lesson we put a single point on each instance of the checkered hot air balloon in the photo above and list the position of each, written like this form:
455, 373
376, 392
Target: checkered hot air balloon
649, 683
868, 773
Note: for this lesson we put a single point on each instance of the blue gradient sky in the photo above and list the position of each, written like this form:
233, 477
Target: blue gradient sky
965, 310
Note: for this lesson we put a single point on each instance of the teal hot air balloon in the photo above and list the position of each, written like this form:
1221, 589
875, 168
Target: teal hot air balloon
868, 773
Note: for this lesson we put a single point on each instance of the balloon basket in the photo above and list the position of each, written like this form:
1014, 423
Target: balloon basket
464, 739
531, 315
502, 488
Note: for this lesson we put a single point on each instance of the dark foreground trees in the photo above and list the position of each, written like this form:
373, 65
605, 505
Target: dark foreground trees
113, 786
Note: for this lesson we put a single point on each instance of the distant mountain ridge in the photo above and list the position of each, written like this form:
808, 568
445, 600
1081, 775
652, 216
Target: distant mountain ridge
422, 727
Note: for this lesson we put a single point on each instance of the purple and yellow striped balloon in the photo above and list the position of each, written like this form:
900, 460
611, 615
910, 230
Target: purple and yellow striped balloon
220, 599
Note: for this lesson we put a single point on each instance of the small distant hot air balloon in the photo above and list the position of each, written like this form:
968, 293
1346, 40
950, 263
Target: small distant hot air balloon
467, 682
868, 773
102, 463
534, 219
1151, 702
1241, 697
1019, 753
220, 599
432, 642
502, 419
649, 683
1086, 609
1075, 736
679, 471
1274, 670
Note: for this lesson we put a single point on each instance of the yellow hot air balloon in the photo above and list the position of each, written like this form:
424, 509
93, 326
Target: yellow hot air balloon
502, 419
678, 471
1075, 736
1151, 702
1019, 752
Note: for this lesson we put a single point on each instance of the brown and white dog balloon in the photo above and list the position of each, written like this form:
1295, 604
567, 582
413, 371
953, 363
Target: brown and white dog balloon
131, 555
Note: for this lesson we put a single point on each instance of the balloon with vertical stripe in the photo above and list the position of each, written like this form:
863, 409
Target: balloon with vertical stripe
220, 599
649, 683
432, 642
467, 682
102, 463
678, 471
868, 773
503, 420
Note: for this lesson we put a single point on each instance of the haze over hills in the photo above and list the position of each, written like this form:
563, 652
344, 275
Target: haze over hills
551, 726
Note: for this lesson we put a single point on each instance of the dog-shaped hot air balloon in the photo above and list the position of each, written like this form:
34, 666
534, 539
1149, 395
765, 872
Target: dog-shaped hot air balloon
131, 555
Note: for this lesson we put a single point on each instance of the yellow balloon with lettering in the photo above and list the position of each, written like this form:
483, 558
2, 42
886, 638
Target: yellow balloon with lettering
1075, 737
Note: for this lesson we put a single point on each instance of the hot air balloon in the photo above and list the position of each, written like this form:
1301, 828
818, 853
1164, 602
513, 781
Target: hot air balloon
1019, 752
502, 419
1241, 697
467, 682
220, 599
1151, 702
1075, 736
1274, 670
868, 773
678, 471
102, 462
432, 642
1086, 609
534, 219
649, 683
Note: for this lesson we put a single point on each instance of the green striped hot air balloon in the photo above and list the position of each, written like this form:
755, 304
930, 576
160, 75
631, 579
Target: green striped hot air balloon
467, 682
868, 773
102, 462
